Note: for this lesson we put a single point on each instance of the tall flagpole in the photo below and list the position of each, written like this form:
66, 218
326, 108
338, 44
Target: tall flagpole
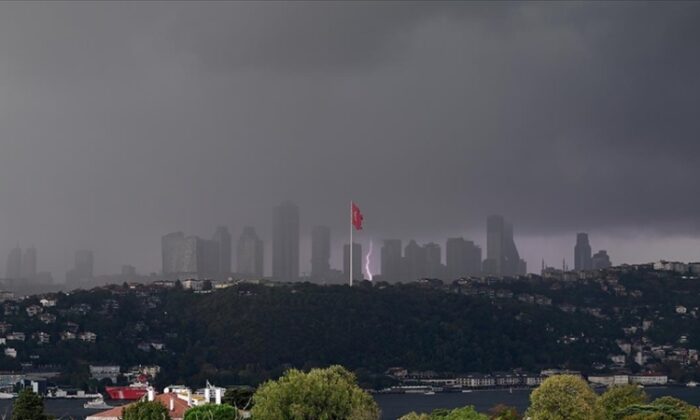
351, 247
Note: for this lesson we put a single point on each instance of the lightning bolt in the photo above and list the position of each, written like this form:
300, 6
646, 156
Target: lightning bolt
367, 261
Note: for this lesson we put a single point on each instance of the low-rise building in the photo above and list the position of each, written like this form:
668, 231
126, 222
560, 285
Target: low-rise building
101, 372
650, 378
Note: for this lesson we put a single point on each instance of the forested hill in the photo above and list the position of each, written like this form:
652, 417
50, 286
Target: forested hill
371, 328
247, 333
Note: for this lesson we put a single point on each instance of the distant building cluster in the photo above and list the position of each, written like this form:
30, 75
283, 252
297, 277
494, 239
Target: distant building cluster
583, 260
21, 268
192, 256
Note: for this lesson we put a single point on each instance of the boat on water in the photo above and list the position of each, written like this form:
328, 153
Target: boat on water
97, 404
131, 392
429, 393
7, 395
691, 384
465, 391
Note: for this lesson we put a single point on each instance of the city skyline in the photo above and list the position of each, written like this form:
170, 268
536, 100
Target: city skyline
433, 259
423, 113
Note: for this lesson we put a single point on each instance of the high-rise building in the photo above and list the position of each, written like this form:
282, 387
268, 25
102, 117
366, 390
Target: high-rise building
285, 242
391, 261
208, 254
223, 238
463, 258
356, 262
82, 268
502, 257
582, 253
434, 269
29, 264
170, 247
13, 269
414, 261
249, 254
179, 254
601, 260
320, 253
191, 256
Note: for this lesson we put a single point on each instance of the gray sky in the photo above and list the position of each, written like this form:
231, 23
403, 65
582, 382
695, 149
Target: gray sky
120, 122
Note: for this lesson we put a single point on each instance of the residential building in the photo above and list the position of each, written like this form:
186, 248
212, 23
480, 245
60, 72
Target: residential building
285, 242
462, 258
414, 261
391, 261
320, 253
249, 254
601, 260
223, 239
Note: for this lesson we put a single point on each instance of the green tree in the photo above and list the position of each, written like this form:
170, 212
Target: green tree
503, 412
415, 416
619, 397
650, 412
145, 410
690, 411
320, 394
563, 397
212, 412
464, 413
28, 406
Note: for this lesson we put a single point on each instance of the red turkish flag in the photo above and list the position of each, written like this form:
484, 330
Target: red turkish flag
357, 217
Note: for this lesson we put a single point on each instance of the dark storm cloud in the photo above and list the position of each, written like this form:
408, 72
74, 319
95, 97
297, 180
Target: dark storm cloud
122, 121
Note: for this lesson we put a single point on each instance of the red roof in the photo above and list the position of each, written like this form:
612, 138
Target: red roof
178, 412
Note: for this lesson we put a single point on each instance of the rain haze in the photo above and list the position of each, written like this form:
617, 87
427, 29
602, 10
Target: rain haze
121, 122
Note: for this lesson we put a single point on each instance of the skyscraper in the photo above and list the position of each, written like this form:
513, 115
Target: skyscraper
179, 253
249, 254
223, 238
82, 268
356, 262
208, 254
29, 264
582, 253
285, 242
434, 269
502, 257
391, 260
601, 260
320, 253
463, 258
414, 261
13, 269
189, 256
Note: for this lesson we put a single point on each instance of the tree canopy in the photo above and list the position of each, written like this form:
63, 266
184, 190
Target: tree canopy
213, 412
463, 413
563, 397
618, 397
146, 410
28, 406
320, 394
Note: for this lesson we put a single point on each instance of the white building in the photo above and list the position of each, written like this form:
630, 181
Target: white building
649, 379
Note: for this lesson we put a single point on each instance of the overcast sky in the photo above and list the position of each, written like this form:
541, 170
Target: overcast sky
120, 122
